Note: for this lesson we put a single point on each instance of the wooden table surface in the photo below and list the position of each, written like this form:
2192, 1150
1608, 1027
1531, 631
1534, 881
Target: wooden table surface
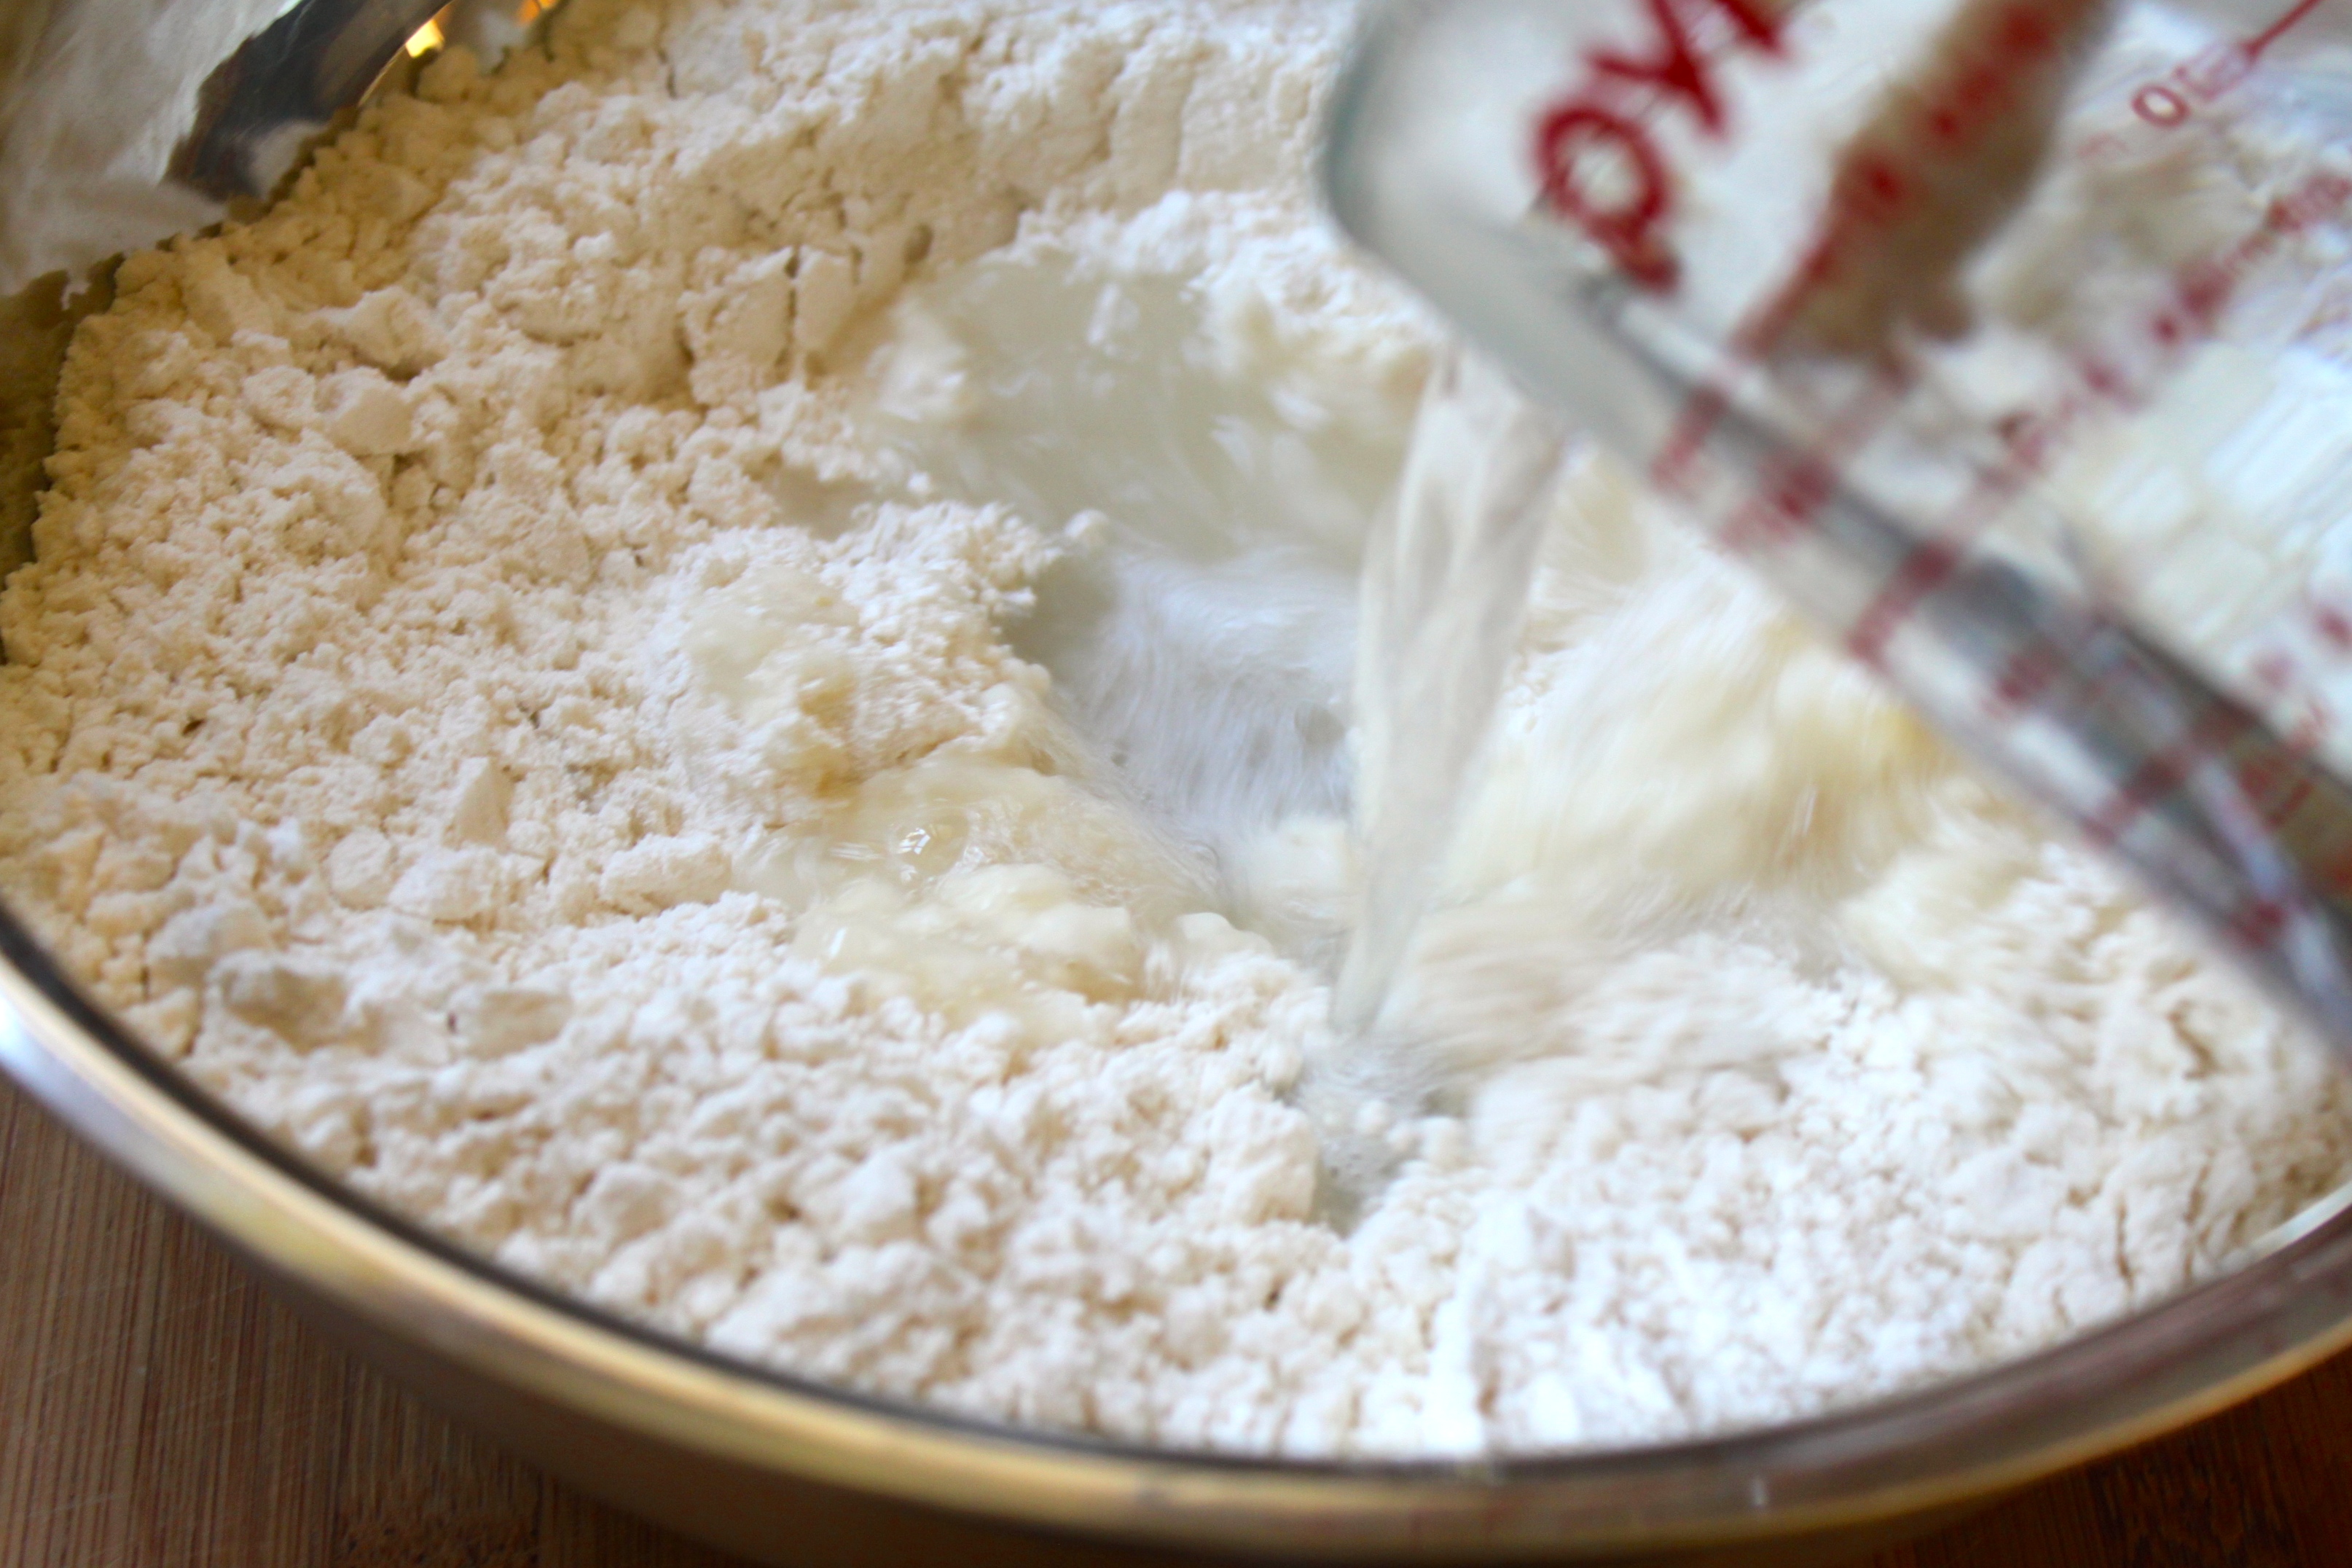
159, 1410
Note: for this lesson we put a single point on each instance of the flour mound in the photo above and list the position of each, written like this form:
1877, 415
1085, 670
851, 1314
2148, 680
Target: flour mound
517, 693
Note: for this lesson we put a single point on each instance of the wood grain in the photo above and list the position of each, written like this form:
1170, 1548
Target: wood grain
159, 1410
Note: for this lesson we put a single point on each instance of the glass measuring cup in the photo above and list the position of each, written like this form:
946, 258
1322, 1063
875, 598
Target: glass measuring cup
2012, 338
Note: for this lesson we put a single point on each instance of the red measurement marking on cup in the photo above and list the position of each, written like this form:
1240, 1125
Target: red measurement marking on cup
2258, 922
2276, 791
2270, 781
1929, 567
1602, 132
2166, 771
1800, 482
1876, 193
2203, 78
2028, 671
1803, 482
2200, 293
2280, 28
2204, 294
1601, 129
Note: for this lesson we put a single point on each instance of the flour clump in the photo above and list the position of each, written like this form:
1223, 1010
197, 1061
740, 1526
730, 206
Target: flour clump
717, 662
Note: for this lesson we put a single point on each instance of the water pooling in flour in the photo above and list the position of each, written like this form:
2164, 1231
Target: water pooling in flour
1231, 545
1228, 543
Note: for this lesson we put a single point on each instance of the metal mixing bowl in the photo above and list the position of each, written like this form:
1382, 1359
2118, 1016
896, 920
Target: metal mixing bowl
791, 1472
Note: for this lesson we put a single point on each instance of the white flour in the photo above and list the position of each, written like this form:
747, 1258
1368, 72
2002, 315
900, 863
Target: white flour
515, 695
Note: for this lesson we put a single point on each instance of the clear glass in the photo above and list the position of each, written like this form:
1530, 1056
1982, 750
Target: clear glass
2012, 338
